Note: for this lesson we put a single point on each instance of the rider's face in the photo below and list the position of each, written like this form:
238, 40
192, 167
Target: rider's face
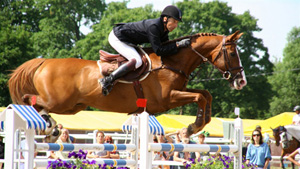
171, 24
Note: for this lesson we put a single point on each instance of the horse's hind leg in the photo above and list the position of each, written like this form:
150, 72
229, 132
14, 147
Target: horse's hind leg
39, 103
43, 110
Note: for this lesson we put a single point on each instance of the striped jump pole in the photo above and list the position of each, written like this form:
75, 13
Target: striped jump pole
192, 147
77, 147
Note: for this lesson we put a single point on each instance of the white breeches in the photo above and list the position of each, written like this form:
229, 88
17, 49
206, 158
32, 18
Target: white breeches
122, 48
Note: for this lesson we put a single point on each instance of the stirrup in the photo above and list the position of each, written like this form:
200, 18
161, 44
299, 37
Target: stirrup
106, 89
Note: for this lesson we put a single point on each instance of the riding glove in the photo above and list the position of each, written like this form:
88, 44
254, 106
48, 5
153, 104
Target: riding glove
183, 43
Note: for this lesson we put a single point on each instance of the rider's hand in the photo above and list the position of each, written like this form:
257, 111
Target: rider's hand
183, 43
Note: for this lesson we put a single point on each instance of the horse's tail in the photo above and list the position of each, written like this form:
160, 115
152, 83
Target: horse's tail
21, 80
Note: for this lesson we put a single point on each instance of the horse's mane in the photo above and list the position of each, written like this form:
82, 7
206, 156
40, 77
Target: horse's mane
184, 37
190, 36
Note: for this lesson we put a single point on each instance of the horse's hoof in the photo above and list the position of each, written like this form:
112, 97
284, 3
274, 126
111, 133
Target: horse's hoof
26, 99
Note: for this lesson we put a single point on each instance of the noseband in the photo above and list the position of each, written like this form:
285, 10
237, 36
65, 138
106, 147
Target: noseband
227, 72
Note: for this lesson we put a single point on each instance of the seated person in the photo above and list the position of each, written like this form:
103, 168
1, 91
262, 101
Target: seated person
99, 154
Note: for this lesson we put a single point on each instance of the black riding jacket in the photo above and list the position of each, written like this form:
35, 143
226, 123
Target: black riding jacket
146, 31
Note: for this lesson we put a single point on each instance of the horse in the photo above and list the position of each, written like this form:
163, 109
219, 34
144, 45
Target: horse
289, 136
69, 85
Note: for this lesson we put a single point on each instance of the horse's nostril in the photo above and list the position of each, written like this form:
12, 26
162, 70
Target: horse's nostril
242, 82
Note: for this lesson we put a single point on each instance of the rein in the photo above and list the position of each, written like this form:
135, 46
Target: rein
163, 66
226, 74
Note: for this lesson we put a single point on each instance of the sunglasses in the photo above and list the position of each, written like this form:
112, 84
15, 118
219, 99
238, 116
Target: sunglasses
255, 135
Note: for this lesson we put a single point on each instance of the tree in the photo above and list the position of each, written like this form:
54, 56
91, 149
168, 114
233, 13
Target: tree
33, 28
285, 82
61, 22
15, 42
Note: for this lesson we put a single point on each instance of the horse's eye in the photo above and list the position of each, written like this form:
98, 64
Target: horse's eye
233, 54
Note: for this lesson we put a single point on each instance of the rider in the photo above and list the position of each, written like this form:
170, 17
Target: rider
296, 118
125, 36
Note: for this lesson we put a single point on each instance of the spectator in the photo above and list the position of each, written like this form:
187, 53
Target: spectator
258, 152
266, 140
201, 139
63, 138
113, 154
2, 151
163, 155
60, 126
99, 154
184, 157
266, 135
291, 157
296, 118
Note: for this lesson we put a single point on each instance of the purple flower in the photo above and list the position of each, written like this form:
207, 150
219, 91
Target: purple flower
192, 160
93, 162
187, 166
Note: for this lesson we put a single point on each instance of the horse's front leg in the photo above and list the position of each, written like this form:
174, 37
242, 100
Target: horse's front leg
281, 161
208, 98
202, 98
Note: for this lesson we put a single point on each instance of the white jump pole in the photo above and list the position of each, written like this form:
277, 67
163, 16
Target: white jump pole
135, 139
145, 154
238, 136
9, 139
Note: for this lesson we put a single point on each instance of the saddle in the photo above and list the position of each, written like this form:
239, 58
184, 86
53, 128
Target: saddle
110, 62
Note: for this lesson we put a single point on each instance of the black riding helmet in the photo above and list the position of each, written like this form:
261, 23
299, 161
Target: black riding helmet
296, 108
172, 11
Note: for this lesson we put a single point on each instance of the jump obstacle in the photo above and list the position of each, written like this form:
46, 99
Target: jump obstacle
27, 118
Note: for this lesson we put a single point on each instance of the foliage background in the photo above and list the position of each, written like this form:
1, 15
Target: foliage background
51, 29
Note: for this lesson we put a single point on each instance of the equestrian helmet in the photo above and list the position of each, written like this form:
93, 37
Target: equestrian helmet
172, 11
296, 108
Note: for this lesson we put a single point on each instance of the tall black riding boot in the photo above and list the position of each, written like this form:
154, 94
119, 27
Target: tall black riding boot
108, 81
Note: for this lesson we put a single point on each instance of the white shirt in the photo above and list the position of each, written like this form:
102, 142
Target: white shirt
296, 119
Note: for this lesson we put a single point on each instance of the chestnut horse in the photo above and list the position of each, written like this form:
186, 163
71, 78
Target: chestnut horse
289, 137
66, 86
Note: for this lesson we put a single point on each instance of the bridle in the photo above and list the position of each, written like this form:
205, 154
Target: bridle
227, 73
285, 142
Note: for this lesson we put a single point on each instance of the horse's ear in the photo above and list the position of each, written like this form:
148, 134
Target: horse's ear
234, 37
